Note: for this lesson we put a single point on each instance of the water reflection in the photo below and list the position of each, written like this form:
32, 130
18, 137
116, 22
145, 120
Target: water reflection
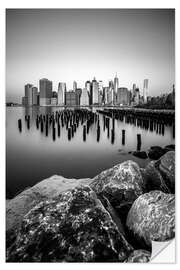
75, 143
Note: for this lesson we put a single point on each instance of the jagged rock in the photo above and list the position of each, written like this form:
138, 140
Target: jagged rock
121, 184
155, 152
140, 154
140, 256
153, 179
17, 207
167, 169
152, 217
74, 227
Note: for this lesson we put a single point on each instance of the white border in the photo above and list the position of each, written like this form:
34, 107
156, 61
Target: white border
75, 4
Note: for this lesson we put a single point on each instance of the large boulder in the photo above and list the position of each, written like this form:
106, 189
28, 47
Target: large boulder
73, 227
155, 152
17, 207
122, 185
139, 256
153, 179
152, 217
167, 169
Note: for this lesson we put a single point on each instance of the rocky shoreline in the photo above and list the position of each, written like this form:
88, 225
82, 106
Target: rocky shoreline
110, 218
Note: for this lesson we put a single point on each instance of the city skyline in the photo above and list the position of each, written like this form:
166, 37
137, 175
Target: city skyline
76, 45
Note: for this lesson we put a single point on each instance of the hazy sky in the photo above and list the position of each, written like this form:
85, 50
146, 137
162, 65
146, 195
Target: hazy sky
67, 45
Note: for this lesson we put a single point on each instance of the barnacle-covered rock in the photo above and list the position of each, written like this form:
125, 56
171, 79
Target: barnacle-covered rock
121, 184
167, 169
139, 256
152, 217
74, 227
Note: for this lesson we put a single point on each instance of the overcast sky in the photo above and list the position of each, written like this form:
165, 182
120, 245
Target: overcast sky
66, 45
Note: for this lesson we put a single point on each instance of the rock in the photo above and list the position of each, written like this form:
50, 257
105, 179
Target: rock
73, 227
121, 184
170, 147
140, 256
153, 179
152, 217
155, 152
167, 169
140, 154
17, 207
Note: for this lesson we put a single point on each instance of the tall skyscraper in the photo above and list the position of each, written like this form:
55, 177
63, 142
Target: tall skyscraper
137, 96
94, 91
74, 86
28, 94
78, 95
34, 95
62, 94
84, 97
45, 87
88, 86
111, 94
145, 90
116, 83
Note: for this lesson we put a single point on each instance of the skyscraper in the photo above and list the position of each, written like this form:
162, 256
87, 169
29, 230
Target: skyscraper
111, 93
88, 86
45, 87
62, 93
94, 91
28, 94
116, 83
34, 95
84, 97
74, 86
122, 96
145, 90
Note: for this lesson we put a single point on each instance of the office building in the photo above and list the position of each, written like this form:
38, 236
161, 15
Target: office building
70, 98
84, 98
74, 86
24, 101
116, 84
94, 92
88, 86
28, 94
145, 90
62, 94
78, 96
137, 97
45, 87
54, 101
34, 95
122, 96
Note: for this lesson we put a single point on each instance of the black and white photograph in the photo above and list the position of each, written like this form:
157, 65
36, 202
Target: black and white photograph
90, 134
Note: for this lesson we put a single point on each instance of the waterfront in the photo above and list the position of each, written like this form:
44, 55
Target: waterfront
32, 156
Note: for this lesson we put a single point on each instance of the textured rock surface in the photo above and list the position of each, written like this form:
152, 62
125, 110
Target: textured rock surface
17, 207
139, 256
167, 169
152, 217
121, 184
153, 179
73, 227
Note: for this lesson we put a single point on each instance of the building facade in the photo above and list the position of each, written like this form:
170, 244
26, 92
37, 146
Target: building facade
145, 90
70, 98
84, 98
122, 96
45, 87
62, 94
94, 92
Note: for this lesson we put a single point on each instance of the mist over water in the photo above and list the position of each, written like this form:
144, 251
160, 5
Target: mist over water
33, 155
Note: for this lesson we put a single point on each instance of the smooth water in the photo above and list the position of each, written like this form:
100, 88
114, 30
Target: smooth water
32, 156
